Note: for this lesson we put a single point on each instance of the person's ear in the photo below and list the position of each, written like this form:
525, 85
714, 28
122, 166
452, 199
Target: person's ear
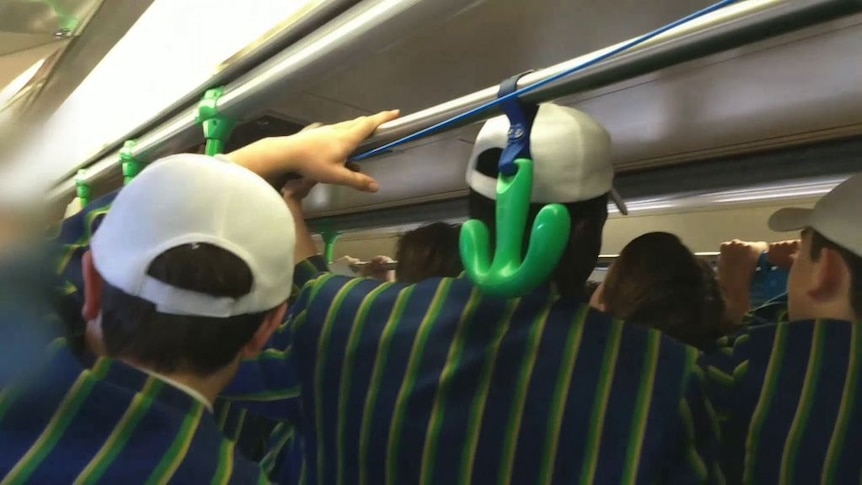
93, 284
258, 341
829, 276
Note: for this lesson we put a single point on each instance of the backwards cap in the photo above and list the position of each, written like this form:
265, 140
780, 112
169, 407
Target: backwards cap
835, 216
188, 199
571, 157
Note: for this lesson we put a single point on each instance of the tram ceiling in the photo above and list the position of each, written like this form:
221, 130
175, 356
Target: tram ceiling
758, 97
31, 32
477, 48
430, 64
47, 47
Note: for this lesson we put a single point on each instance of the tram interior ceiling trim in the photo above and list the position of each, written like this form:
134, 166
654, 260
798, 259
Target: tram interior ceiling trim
796, 163
374, 24
282, 36
367, 28
58, 18
774, 173
50, 31
725, 29
72, 65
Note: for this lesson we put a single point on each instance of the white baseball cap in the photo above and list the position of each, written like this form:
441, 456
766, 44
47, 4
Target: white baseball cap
187, 199
835, 216
571, 157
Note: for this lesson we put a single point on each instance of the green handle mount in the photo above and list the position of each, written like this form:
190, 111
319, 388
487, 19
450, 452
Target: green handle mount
217, 127
131, 166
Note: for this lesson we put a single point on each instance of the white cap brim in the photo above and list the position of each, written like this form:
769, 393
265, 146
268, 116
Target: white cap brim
790, 219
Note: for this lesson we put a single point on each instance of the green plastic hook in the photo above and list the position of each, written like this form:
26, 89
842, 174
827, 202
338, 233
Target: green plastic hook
329, 239
84, 191
217, 127
131, 166
507, 275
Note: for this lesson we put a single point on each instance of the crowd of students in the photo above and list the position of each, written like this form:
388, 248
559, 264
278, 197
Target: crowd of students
206, 341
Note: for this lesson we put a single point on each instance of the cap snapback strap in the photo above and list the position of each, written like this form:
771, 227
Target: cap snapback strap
171, 300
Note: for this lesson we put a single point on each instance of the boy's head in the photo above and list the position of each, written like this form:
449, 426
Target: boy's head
571, 166
826, 278
658, 282
430, 251
191, 268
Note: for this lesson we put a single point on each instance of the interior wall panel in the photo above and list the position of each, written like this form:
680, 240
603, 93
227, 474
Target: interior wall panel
702, 230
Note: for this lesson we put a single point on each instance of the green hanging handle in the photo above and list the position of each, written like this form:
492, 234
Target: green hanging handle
507, 275
131, 166
84, 191
329, 239
217, 127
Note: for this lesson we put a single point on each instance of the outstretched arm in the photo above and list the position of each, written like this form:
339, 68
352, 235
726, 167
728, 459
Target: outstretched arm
318, 154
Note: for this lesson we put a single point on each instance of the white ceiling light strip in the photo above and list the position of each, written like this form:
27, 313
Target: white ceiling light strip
795, 190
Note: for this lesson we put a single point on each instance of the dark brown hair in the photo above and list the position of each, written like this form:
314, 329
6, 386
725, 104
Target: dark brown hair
132, 328
658, 282
430, 251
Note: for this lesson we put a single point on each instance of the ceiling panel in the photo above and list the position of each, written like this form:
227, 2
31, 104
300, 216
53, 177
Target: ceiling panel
796, 89
763, 96
13, 42
108, 25
45, 16
33, 36
487, 43
14, 64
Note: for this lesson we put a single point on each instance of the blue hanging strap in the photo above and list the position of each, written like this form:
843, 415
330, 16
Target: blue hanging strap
521, 117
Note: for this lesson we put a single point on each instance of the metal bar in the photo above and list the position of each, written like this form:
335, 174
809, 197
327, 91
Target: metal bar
604, 261
282, 36
361, 31
728, 28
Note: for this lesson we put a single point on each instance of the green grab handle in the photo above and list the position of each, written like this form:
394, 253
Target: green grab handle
217, 127
131, 166
509, 276
84, 191
329, 239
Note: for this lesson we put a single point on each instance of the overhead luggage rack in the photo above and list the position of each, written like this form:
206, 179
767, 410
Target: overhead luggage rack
373, 24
